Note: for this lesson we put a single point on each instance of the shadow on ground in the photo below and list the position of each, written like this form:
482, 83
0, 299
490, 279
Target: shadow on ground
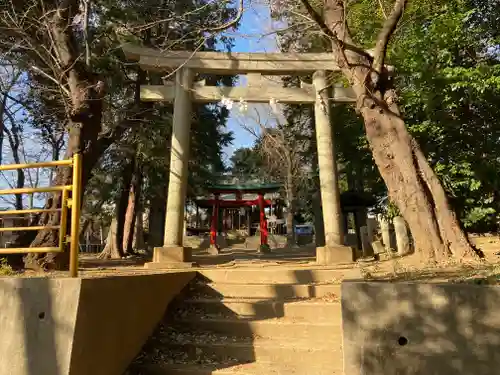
190, 338
210, 327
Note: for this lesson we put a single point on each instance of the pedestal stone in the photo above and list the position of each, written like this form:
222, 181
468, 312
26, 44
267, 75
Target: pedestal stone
171, 257
213, 250
326, 255
366, 242
380, 252
402, 238
385, 229
372, 228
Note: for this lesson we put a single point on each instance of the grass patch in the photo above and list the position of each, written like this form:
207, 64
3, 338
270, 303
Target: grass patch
5, 268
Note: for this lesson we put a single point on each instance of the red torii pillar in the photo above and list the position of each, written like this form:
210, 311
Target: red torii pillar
239, 197
215, 221
263, 221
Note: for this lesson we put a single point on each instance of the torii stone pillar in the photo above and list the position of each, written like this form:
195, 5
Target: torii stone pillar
173, 254
334, 250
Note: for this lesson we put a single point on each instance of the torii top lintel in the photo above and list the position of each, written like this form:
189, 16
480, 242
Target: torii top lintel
252, 188
231, 62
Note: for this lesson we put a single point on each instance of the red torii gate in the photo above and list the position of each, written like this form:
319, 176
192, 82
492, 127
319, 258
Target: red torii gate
216, 203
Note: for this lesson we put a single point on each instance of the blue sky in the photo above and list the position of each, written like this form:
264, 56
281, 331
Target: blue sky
255, 22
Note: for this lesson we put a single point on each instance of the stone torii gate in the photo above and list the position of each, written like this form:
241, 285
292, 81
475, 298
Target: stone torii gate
185, 91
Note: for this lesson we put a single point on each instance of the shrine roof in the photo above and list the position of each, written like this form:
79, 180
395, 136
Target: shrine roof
244, 188
209, 203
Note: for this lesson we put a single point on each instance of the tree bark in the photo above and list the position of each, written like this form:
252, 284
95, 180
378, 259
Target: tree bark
14, 137
112, 250
129, 222
138, 241
122, 204
132, 209
411, 182
84, 121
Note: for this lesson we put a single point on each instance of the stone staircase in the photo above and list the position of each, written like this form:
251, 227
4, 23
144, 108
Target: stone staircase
250, 322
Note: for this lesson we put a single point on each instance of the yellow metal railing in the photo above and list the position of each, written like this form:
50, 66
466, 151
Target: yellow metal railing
73, 202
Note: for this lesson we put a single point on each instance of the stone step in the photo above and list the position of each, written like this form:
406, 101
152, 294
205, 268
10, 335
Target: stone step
278, 328
253, 368
258, 349
274, 275
303, 310
270, 291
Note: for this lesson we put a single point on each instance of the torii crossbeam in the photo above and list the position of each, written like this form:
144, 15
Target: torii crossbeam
184, 91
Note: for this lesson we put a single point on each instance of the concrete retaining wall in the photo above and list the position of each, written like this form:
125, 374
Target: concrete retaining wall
80, 326
420, 329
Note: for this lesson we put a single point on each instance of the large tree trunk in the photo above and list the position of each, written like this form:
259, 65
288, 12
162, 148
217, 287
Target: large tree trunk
86, 91
138, 242
411, 182
84, 121
14, 137
129, 222
121, 206
132, 209
112, 250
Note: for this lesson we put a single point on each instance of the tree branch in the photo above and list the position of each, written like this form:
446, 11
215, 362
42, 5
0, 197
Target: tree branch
231, 23
386, 34
318, 19
341, 45
58, 84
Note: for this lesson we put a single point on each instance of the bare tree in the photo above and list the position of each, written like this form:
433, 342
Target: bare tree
283, 151
9, 80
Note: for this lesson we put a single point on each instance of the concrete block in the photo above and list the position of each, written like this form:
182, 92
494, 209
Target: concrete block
377, 247
168, 265
116, 316
80, 326
326, 255
387, 255
402, 237
172, 254
366, 242
372, 228
37, 323
420, 329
